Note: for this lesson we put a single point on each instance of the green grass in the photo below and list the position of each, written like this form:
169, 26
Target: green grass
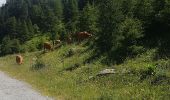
52, 78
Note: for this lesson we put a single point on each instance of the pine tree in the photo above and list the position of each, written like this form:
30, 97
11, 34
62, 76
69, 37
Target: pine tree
144, 10
30, 27
82, 4
11, 27
18, 28
88, 19
71, 14
58, 8
6, 46
37, 15
24, 33
36, 29
110, 16
49, 20
9, 46
24, 11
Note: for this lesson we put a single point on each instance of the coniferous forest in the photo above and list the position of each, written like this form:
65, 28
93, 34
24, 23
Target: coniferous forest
126, 55
120, 27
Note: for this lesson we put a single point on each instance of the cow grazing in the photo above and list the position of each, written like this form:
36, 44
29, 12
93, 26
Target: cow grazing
47, 46
83, 35
19, 59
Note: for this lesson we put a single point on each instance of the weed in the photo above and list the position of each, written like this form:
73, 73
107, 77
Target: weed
37, 64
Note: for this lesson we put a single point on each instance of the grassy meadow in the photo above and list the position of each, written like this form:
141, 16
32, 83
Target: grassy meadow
64, 74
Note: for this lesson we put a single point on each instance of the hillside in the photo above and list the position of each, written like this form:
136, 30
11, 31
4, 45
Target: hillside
55, 74
130, 38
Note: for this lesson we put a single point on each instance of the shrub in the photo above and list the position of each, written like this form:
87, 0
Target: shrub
150, 71
136, 49
160, 79
9, 46
37, 64
70, 53
73, 67
130, 30
34, 44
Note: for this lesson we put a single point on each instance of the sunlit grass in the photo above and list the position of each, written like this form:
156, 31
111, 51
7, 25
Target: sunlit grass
54, 80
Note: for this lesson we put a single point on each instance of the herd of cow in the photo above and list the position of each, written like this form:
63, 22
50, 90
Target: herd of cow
80, 36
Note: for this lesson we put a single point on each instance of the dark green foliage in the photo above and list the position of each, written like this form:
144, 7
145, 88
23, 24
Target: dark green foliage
73, 67
24, 35
30, 27
88, 19
34, 44
71, 15
9, 46
130, 30
36, 29
37, 64
160, 79
108, 23
147, 73
120, 28
70, 53
58, 8
11, 25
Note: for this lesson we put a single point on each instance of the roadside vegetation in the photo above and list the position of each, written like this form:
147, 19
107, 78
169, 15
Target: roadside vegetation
54, 73
130, 36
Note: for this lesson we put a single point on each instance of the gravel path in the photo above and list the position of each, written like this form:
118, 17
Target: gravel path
12, 89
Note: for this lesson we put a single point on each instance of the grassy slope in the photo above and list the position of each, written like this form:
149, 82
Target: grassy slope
55, 81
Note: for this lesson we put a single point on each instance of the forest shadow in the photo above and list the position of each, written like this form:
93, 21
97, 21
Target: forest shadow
161, 44
157, 36
117, 56
163, 51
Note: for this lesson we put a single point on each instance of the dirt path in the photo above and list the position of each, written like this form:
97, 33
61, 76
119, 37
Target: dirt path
12, 89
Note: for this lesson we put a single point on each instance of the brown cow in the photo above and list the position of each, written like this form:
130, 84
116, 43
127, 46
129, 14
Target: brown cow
19, 59
83, 35
47, 46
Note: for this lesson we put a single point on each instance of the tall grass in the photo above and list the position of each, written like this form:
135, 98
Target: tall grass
54, 80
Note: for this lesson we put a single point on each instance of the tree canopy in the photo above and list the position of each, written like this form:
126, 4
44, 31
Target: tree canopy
117, 25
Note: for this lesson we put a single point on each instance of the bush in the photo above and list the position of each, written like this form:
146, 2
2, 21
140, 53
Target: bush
160, 79
136, 49
150, 71
34, 44
37, 64
9, 46
70, 53
73, 67
130, 31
